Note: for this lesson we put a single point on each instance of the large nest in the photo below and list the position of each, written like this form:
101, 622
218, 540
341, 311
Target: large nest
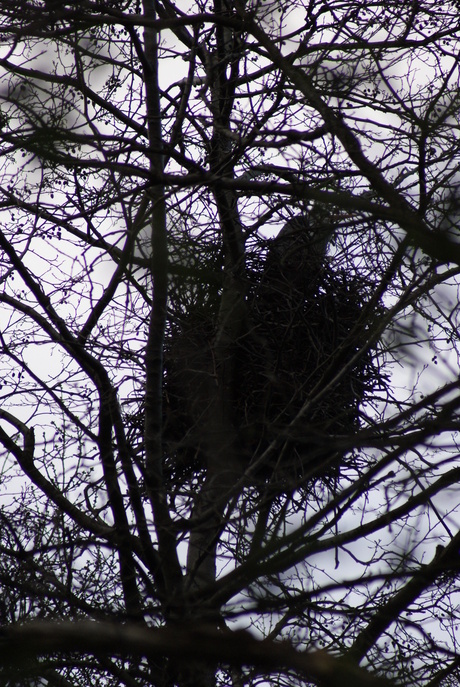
304, 368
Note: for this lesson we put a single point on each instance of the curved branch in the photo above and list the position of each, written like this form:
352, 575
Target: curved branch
26, 642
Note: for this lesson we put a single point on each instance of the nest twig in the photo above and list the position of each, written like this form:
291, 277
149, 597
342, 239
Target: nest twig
306, 324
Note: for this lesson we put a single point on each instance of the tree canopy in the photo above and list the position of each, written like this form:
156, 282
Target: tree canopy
229, 397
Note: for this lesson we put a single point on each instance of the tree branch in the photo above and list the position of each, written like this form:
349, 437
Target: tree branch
26, 642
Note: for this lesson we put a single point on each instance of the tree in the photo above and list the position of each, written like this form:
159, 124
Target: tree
214, 439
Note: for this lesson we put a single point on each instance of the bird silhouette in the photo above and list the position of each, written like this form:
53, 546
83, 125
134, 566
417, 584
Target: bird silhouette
297, 255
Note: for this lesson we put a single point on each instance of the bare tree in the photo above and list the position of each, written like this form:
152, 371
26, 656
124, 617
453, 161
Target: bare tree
229, 343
